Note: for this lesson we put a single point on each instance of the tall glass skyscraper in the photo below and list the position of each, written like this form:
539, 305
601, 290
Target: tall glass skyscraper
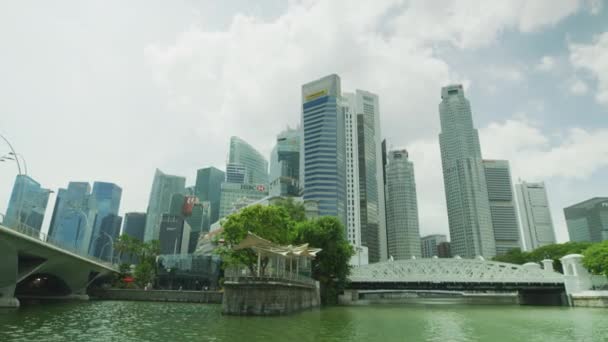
27, 204
471, 231
243, 157
401, 207
285, 164
536, 221
366, 107
107, 222
588, 220
208, 189
502, 205
163, 188
73, 217
324, 146
134, 225
353, 204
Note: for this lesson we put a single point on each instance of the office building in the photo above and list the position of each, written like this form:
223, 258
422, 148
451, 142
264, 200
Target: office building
233, 195
588, 220
73, 217
27, 204
444, 250
106, 227
430, 243
502, 206
134, 225
164, 187
285, 164
174, 234
535, 215
469, 218
208, 188
324, 146
403, 234
245, 164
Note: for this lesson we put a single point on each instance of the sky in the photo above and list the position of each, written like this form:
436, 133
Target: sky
112, 90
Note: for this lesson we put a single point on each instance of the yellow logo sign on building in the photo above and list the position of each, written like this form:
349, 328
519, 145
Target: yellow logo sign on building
316, 94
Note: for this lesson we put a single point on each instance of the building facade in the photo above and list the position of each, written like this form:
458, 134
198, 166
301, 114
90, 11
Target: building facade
27, 203
324, 146
164, 187
134, 225
588, 220
208, 188
403, 233
470, 222
353, 203
245, 164
430, 243
235, 195
174, 234
285, 165
502, 206
106, 227
535, 215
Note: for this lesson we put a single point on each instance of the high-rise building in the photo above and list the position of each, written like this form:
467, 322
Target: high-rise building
285, 164
444, 250
430, 243
353, 203
235, 195
245, 164
470, 222
106, 226
27, 204
134, 225
502, 205
164, 187
588, 220
535, 215
73, 217
401, 207
324, 146
365, 106
174, 234
208, 188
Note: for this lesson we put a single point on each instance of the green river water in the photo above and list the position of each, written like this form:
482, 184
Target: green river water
143, 321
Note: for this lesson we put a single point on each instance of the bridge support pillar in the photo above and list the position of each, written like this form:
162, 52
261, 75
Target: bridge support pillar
9, 267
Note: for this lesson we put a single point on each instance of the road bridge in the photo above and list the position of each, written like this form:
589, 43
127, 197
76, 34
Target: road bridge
32, 265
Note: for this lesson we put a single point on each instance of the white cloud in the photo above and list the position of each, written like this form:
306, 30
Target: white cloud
578, 87
505, 73
593, 58
547, 63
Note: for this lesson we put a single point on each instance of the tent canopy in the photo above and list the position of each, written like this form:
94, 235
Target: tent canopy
264, 246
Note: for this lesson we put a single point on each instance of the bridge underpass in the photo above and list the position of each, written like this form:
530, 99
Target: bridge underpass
477, 277
33, 266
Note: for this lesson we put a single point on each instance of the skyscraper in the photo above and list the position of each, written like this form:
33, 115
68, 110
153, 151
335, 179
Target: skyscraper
106, 226
502, 205
233, 193
163, 188
27, 204
588, 220
535, 215
468, 206
134, 225
174, 234
365, 106
285, 164
244, 158
401, 207
430, 244
208, 189
324, 146
73, 217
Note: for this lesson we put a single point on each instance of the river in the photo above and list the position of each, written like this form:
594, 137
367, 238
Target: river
142, 321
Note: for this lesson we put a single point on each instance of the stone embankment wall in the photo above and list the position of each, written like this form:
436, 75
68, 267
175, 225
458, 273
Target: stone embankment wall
353, 297
268, 298
213, 297
590, 299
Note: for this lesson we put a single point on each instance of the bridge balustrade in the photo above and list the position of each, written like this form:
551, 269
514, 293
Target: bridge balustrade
242, 274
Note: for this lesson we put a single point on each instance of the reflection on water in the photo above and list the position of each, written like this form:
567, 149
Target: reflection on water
137, 321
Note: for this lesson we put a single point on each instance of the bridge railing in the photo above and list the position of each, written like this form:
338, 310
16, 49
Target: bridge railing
38, 235
240, 274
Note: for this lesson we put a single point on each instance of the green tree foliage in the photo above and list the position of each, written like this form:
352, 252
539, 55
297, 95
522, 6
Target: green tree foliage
269, 222
330, 267
596, 258
295, 210
144, 273
553, 251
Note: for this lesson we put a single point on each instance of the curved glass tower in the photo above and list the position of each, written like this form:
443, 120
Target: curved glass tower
164, 187
249, 166
471, 231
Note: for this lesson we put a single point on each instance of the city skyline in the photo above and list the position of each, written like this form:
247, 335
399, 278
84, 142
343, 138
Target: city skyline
544, 141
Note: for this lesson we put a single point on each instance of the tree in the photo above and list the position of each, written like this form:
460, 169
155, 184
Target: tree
554, 251
295, 210
514, 256
269, 222
596, 258
331, 266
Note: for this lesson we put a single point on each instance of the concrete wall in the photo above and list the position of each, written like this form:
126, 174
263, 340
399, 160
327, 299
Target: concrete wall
590, 299
351, 297
267, 299
212, 297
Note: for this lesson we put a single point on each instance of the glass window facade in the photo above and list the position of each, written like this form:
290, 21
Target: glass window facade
208, 189
163, 188
588, 220
106, 226
27, 203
